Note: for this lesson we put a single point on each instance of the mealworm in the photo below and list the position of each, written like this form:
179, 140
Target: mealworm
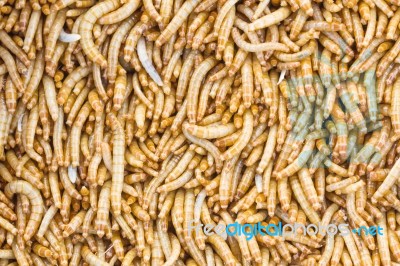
212, 111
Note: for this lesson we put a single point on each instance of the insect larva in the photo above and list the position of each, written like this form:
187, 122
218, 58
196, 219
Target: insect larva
270, 19
179, 18
86, 26
222, 94
121, 13
141, 48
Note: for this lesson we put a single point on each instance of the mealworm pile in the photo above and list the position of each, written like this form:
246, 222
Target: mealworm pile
126, 124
